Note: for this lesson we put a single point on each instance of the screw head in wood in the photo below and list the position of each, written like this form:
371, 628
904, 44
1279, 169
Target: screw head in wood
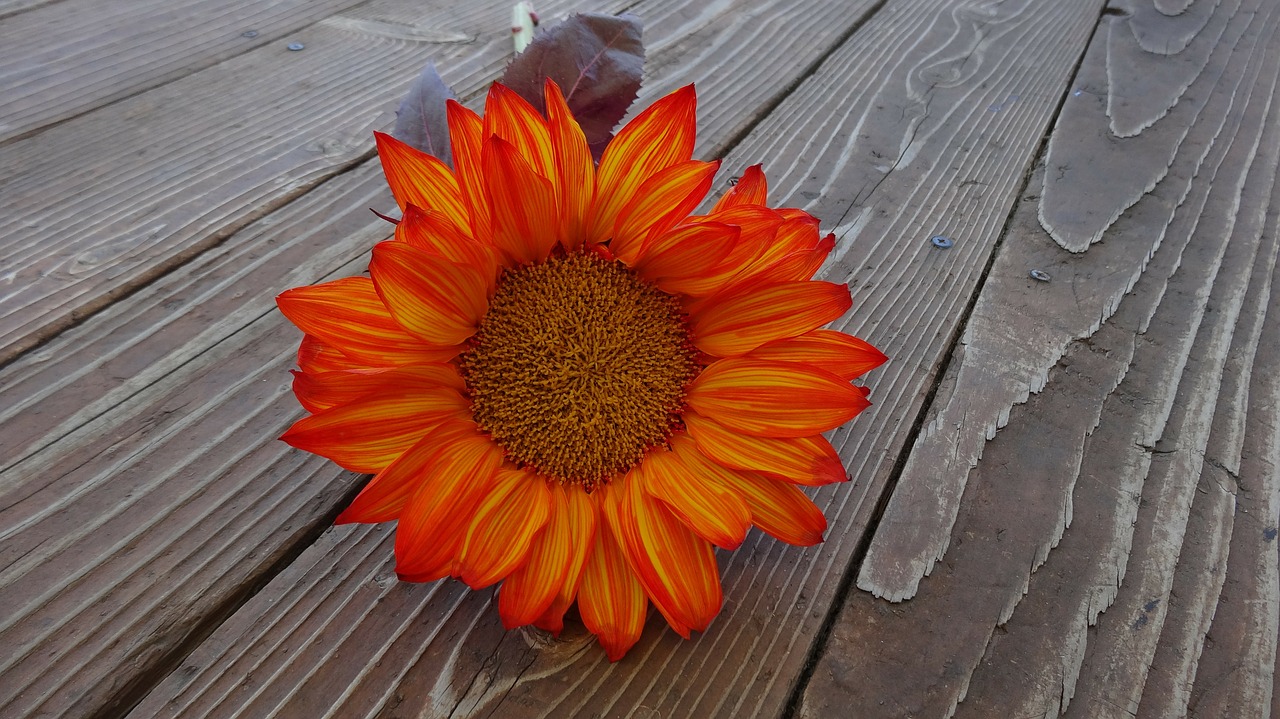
1040, 276
941, 241
249, 33
296, 46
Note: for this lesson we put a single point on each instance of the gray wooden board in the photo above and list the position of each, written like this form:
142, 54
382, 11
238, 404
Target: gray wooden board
1235, 675
999, 367
938, 112
1021, 500
66, 58
112, 199
1047, 638
118, 470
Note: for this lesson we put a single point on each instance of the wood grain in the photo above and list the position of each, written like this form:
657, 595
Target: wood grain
66, 58
1235, 675
949, 135
1047, 637
147, 391
114, 198
1000, 368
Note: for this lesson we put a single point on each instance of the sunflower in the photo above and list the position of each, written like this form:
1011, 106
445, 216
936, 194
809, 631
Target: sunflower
563, 381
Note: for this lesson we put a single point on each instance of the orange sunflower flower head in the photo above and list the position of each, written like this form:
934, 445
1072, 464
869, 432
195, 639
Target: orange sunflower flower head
564, 381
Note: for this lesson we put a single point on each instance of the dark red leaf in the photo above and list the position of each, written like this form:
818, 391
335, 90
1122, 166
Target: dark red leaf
421, 120
597, 61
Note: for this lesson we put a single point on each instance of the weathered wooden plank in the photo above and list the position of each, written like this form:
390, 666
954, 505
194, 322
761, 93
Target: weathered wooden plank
168, 173
1196, 594
13, 7
1135, 101
1019, 500
129, 393
1124, 642
1046, 637
66, 58
914, 659
1235, 676
894, 118
1001, 368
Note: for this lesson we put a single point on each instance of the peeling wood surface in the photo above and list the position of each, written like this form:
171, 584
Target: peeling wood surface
1090, 567
1094, 459
1001, 367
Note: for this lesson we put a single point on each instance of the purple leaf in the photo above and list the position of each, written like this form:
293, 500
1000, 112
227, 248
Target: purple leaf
421, 120
597, 61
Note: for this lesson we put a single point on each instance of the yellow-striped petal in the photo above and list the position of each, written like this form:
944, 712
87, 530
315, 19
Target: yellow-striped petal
453, 483
435, 299
676, 477
385, 496
676, 567
780, 510
576, 168
506, 522
735, 323
662, 201
610, 598
318, 391
348, 315
466, 138
417, 178
845, 356
526, 214
661, 136
774, 399
555, 560
751, 189
803, 460
370, 433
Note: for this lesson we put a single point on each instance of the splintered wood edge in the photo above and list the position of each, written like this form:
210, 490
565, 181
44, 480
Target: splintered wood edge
999, 370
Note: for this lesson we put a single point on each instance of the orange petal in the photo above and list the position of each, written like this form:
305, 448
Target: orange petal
318, 391
370, 433
677, 567
804, 460
431, 231
586, 514
508, 518
383, 498
774, 399
542, 589
683, 257
714, 513
526, 215
757, 227
451, 485
780, 509
610, 598
661, 136
417, 178
348, 315
440, 301
734, 323
512, 118
845, 356
661, 202
751, 189
466, 138
799, 265
314, 356
577, 170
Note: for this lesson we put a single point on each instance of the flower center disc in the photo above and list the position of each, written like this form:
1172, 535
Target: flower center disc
579, 367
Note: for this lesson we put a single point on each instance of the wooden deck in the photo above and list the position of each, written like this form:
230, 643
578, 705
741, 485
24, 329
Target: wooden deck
1064, 500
